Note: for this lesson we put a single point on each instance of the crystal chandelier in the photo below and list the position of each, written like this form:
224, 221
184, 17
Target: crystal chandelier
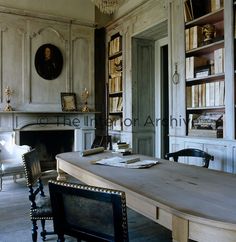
107, 6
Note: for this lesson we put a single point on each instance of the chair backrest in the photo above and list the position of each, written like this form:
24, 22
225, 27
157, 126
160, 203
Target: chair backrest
19, 150
32, 167
102, 141
14, 153
40, 208
88, 213
191, 152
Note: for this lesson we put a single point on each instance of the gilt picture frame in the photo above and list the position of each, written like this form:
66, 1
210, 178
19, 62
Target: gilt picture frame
68, 101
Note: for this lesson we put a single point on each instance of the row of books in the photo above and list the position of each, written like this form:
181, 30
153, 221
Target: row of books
216, 4
219, 62
196, 65
115, 84
211, 94
192, 63
115, 46
196, 8
193, 37
115, 104
115, 66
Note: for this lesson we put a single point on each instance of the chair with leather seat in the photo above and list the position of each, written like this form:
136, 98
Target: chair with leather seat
88, 213
191, 152
40, 203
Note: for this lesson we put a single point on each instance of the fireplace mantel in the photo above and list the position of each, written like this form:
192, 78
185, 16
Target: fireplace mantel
83, 124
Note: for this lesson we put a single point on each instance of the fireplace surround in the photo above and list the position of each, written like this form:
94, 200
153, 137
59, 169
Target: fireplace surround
48, 132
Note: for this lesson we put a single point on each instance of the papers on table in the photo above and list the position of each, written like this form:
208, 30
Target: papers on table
133, 162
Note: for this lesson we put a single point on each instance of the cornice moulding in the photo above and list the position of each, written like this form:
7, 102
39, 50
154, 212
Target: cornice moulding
21, 12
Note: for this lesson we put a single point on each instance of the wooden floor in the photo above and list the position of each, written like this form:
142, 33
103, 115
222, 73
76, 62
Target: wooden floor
15, 224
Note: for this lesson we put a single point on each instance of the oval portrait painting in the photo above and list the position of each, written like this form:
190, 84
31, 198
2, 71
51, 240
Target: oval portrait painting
48, 61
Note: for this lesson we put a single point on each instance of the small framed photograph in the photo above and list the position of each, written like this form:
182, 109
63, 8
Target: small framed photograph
68, 101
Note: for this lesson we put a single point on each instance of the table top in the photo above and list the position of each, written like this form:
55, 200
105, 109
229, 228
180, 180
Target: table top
190, 190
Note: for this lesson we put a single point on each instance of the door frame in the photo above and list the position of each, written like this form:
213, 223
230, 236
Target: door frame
158, 100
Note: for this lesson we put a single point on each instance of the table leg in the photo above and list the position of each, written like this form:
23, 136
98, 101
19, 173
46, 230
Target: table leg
60, 174
179, 229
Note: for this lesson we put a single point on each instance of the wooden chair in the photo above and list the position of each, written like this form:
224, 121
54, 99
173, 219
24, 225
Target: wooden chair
88, 213
12, 164
102, 141
40, 204
190, 152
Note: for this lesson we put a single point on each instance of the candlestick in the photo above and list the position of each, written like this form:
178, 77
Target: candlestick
8, 93
85, 95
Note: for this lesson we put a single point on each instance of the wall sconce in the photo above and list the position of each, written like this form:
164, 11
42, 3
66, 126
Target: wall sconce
175, 77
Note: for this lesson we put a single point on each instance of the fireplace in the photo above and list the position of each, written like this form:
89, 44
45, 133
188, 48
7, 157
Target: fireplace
49, 132
48, 144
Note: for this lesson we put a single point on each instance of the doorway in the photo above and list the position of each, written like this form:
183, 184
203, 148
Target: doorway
150, 105
162, 98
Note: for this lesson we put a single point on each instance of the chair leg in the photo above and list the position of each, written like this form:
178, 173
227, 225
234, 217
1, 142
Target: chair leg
34, 230
1, 183
43, 233
61, 238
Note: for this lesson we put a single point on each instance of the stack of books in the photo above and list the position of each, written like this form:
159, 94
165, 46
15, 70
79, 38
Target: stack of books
208, 124
115, 46
122, 147
116, 104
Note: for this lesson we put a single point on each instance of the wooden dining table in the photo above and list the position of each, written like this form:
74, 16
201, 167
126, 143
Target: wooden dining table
194, 202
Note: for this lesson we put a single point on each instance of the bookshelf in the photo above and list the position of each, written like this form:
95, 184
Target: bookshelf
205, 68
115, 85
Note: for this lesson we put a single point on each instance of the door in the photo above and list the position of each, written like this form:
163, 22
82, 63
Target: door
143, 98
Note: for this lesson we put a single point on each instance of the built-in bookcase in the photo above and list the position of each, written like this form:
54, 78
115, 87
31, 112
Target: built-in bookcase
205, 68
115, 83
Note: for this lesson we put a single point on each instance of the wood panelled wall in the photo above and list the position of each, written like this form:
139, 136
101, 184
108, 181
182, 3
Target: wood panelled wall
20, 38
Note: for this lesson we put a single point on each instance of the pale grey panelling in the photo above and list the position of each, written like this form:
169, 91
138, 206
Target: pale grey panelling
21, 36
47, 33
12, 43
82, 51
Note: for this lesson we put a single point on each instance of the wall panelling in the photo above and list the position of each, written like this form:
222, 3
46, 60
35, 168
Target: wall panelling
20, 38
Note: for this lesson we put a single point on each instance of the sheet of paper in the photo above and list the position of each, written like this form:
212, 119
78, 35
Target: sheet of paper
133, 162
